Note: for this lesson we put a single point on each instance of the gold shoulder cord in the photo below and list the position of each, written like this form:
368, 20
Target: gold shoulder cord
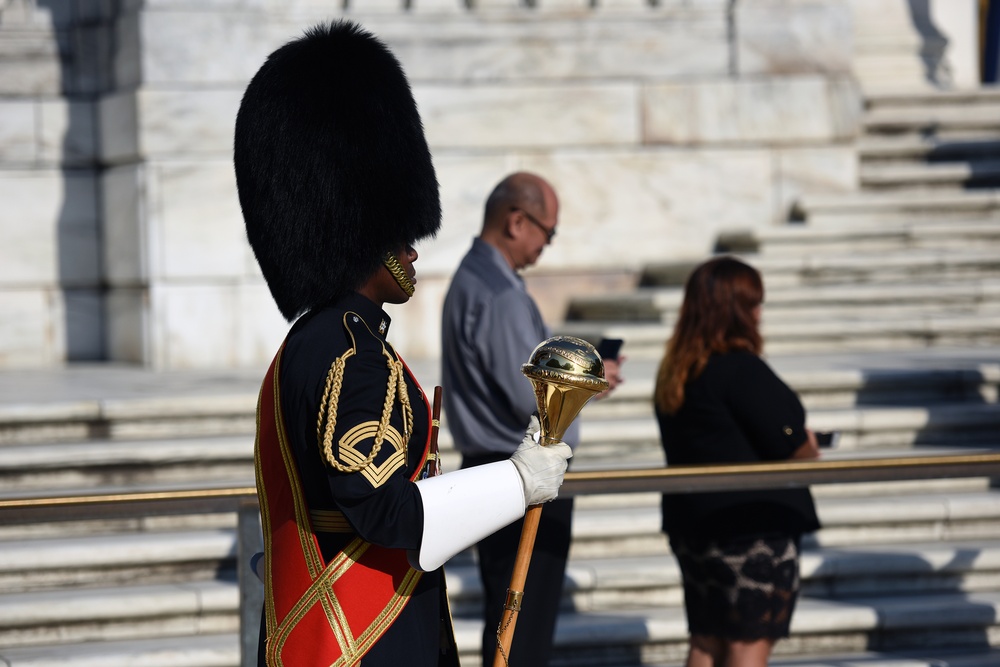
331, 397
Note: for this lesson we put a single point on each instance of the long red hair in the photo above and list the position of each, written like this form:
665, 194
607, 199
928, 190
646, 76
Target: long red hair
717, 316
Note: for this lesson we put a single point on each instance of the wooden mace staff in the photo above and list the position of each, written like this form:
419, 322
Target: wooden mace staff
565, 372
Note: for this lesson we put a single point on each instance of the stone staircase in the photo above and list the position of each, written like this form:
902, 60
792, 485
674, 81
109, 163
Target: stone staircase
881, 311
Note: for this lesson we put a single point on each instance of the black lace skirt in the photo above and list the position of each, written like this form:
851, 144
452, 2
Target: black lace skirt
740, 589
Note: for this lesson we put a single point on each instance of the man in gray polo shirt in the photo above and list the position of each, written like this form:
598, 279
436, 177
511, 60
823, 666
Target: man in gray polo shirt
490, 326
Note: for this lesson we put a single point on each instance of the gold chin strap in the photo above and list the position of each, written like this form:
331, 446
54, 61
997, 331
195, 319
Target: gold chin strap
397, 271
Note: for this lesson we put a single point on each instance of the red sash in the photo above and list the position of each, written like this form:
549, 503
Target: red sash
317, 613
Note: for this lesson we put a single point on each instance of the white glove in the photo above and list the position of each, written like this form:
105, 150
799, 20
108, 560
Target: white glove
541, 468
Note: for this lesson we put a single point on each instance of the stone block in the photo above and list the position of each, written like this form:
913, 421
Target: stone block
579, 7
590, 47
117, 118
127, 56
124, 228
29, 64
31, 328
784, 110
529, 116
194, 326
674, 202
466, 181
17, 131
67, 133
261, 327
810, 170
650, 206
187, 122
182, 46
214, 325
48, 229
395, 6
496, 4
779, 37
84, 323
438, 6
127, 325
196, 225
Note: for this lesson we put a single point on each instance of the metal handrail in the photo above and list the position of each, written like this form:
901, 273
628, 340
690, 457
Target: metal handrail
672, 479
677, 479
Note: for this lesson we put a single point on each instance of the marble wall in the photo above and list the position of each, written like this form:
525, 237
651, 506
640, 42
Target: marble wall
121, 236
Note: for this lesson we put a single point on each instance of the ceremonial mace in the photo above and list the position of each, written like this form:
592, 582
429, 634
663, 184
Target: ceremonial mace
566, 372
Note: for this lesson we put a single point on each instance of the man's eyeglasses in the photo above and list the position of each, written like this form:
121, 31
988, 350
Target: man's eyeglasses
549, 233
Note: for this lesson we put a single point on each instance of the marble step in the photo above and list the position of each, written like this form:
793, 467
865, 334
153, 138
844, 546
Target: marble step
899, 430
971, 657
646, 341
880, 384
93, 466
159, 557
928, 118
906, 517
128, 417
206, 650
805, 239
918, 623
912, 266
222, 650
844, 301
595, 586
607, 529
942, 147
866, 208
985, 94
955, 175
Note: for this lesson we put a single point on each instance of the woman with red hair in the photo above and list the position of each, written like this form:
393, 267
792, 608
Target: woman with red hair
717, 401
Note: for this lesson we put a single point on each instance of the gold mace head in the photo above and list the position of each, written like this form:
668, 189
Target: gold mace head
566, 372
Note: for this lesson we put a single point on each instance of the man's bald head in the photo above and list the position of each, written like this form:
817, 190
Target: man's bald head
520, 218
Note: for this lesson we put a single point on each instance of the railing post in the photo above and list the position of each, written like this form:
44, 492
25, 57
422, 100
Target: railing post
250, 541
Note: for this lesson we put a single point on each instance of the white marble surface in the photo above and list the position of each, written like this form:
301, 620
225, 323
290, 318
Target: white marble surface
124, 239
128, 325
206, 324
17, 131
529, 116
780, 110
48, 230
196, 227
187, 123
597, 100
118, 122
778, 38
31, 327
46, 132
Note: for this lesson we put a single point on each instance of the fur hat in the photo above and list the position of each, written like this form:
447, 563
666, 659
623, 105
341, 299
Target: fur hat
332, 167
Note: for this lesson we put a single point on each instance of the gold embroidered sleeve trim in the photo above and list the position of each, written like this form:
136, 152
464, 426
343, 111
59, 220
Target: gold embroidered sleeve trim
376, 475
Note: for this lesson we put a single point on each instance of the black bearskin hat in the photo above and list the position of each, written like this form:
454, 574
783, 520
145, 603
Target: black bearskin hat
332, 167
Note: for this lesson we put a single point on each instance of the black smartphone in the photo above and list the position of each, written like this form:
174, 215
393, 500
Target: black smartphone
609, 348
827, 439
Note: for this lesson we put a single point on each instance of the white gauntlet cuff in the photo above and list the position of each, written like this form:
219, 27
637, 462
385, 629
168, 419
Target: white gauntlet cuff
463, 507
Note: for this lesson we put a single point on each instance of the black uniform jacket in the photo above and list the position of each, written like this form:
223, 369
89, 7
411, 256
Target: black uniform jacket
379, 502
737, 410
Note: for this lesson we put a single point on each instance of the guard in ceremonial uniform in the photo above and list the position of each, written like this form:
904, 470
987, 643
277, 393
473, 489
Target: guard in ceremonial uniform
336, 185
